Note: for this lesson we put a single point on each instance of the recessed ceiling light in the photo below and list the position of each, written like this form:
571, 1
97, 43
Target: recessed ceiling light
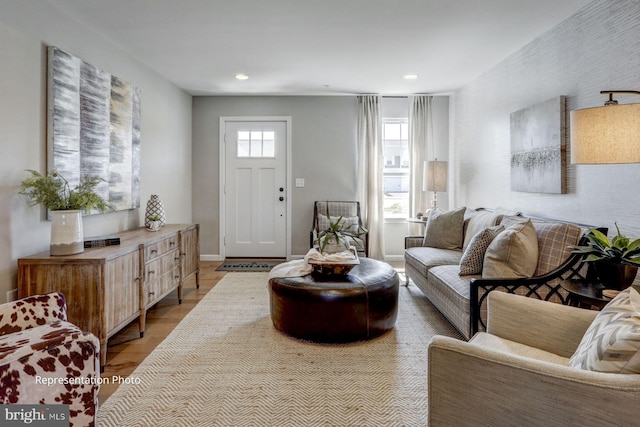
410, 76
241, 76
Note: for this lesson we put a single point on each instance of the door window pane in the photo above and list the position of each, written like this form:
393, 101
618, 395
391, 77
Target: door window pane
256, 144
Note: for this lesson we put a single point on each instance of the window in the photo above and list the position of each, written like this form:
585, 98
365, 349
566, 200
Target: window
256, 143
395, 176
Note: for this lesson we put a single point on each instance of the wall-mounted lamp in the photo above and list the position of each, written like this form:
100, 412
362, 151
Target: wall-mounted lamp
434, 179
608, 134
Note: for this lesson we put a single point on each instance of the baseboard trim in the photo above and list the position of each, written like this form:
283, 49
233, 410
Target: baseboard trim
211, 258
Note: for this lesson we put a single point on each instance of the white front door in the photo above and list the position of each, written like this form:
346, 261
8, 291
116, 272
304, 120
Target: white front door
255, 187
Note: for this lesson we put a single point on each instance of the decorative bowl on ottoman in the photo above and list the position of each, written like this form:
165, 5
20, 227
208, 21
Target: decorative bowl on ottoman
329, 268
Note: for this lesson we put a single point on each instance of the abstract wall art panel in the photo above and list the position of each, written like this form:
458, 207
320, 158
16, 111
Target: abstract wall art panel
94, 128
538, 145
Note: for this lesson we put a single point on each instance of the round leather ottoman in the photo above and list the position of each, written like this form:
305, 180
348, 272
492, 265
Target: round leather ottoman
357, 306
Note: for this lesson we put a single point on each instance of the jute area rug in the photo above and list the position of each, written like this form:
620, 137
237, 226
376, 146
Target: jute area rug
226, 365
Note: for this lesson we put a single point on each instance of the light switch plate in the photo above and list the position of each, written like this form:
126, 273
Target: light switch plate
299, 182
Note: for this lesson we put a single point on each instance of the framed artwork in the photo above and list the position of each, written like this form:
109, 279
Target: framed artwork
94, 128
538, 148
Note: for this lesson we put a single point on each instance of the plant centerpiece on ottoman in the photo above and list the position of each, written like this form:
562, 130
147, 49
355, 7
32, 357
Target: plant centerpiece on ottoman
615, 260
335, 253
338, 235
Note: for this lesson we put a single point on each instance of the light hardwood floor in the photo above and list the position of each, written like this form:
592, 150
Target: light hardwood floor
126, 350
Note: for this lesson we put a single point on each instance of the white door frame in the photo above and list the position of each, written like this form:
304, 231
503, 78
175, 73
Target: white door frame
222, 174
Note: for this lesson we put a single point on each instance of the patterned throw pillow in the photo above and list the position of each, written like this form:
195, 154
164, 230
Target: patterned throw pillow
473, 256
612, 342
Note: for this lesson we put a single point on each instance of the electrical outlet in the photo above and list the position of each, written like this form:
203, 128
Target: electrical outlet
12, 295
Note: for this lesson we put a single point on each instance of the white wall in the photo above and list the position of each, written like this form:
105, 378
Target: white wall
596, 49
26, 28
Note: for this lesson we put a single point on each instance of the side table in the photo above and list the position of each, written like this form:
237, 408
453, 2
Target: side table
585, 293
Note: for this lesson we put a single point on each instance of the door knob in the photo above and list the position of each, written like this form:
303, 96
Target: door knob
281, 198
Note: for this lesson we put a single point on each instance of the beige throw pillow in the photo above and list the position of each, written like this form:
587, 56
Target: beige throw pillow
444, 229
612, 342
479, 221
513, 253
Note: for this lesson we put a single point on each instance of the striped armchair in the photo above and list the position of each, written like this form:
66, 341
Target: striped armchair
350, 212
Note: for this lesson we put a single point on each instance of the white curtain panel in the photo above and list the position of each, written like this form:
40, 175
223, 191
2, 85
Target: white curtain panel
370, 163
420, 143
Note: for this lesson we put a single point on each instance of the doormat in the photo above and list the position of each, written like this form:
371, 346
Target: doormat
248, 265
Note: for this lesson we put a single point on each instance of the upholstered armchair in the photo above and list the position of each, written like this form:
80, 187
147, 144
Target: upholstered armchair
350, 212
538, 365
46, 360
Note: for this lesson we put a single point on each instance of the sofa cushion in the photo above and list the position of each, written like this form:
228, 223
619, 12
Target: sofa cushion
423, 258
612, 342
554, 240
450, 293
495, 343
478, 222
513, 253
444, 230
473, 256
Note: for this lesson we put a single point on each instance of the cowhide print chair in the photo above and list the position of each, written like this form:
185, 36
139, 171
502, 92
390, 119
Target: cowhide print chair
46, 360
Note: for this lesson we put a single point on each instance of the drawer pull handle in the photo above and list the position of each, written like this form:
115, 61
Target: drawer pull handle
152, 293
138, 278
177, 258
172, 243
176, 277
152, 271
154, 251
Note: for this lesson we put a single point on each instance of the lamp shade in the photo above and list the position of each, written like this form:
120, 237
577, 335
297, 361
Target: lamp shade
435, 176
609, 134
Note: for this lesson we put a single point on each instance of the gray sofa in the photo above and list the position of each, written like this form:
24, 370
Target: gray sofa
434, 263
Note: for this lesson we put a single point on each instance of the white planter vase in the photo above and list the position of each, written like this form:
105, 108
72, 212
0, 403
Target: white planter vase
66, 233
154, 208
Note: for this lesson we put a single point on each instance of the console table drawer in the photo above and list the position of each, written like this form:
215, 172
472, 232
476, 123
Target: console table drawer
161, 265
155, 250
160, 286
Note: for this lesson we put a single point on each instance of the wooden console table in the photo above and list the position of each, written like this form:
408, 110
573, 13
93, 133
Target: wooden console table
107, 288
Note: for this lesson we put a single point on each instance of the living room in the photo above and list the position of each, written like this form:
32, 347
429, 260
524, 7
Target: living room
595, 47
588, 52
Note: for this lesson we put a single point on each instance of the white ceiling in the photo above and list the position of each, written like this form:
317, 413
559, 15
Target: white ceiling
311, 47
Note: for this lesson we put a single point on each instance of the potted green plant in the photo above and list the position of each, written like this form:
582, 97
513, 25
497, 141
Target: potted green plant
616, 260
338, 236
66, 204
154, 223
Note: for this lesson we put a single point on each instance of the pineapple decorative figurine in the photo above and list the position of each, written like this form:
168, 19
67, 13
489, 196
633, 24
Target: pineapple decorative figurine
154, 215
